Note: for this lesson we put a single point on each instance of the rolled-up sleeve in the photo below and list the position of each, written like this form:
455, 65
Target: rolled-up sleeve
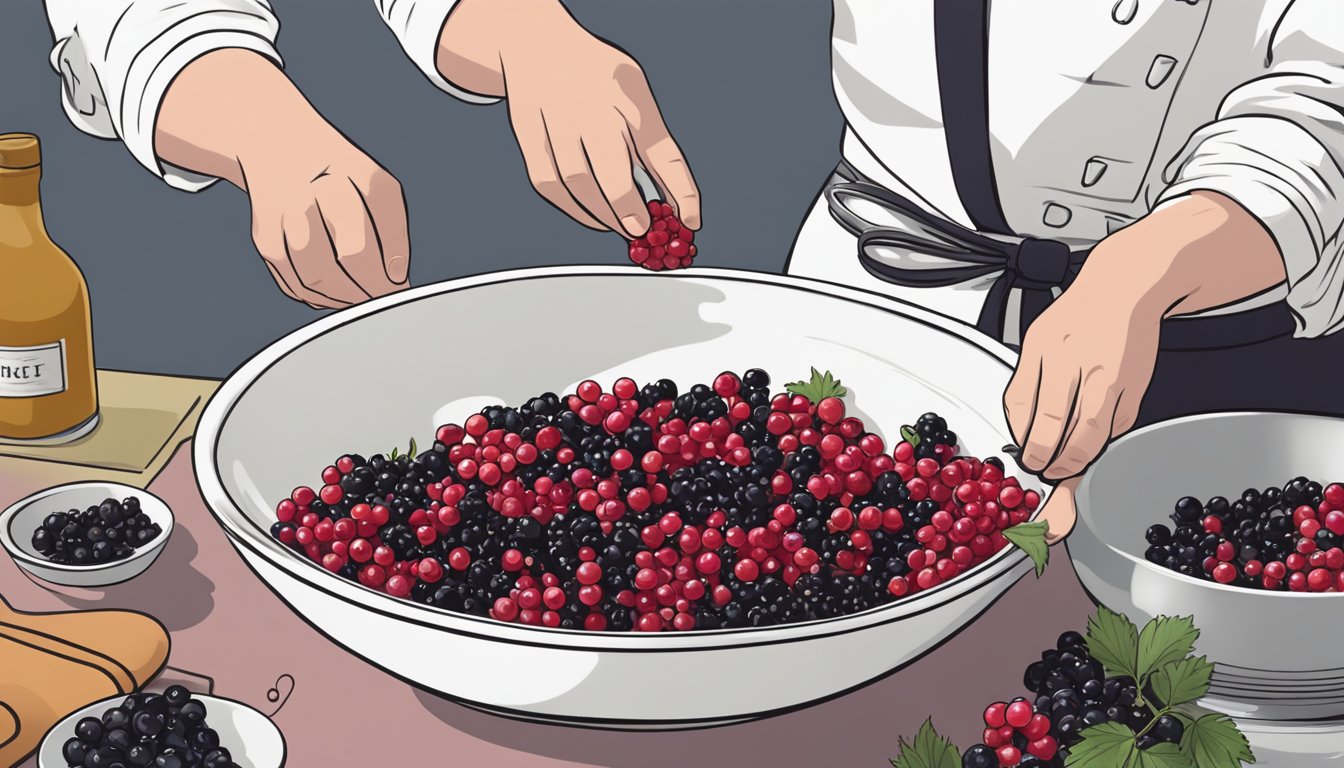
1277, 148
117, 58
417, 25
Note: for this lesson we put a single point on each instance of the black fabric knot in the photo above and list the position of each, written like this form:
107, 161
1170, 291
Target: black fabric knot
1041, 264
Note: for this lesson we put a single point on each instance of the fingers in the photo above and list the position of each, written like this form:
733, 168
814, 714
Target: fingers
1019, 399
269, 237
313, 253
577, 174
385, 204
1090, 430
613, 168
284, 286
663, 160
1055, 400
354, 239
530, 129
1060, 511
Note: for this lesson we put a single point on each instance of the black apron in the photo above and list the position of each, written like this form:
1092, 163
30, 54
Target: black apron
1243, 361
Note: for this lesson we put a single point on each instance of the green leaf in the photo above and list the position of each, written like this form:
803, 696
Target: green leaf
1164, 640
412, 452
1103, 746
818, 388
392, 456
1213, 741
1113, 640
909, 435
1181, 682
1164, 755
1030, 538
927, 750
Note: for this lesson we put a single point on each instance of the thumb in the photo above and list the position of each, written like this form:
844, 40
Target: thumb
1059, 511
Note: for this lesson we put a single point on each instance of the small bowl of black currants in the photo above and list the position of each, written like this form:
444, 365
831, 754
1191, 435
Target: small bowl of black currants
92, 534
172, 729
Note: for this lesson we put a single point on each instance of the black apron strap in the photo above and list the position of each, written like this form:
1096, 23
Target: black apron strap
961, 46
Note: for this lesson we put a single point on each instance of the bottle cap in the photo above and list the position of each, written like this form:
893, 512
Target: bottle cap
19, 151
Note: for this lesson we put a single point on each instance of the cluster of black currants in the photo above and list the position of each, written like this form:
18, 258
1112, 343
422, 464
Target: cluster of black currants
147, 729
102, 533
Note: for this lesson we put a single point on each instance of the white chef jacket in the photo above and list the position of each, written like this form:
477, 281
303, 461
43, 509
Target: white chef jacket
1099, 110
116, 58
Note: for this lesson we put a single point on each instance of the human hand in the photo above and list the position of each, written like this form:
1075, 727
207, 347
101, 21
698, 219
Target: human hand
1059, 511
328, 221
1085, 365
581, 109
1088, 359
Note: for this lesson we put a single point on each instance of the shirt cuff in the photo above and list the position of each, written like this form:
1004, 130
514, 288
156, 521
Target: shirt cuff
1280, 185
147, 83
419, 33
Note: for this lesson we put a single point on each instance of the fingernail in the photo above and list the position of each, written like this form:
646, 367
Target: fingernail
396, 269
634, 226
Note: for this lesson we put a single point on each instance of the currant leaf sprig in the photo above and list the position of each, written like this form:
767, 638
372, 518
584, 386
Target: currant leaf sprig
1161, 659
818, 388
1030, 538
410, 452
927, 750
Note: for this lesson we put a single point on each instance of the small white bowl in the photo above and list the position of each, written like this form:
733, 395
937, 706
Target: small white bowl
18, 522
252, 739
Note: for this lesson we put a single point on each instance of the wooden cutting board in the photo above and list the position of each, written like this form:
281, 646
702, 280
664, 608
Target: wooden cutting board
143, 418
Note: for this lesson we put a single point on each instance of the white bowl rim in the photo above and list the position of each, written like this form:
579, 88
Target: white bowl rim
1085, 515
11, 513
248, 535
208, 699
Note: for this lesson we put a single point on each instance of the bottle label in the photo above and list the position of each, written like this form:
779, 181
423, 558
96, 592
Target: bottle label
32, 371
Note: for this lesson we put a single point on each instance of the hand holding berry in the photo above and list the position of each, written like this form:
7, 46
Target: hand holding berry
581, 109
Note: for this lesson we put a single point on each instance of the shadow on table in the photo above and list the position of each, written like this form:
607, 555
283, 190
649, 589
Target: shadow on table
172, 590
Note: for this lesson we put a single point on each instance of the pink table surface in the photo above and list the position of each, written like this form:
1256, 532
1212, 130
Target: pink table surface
344, 712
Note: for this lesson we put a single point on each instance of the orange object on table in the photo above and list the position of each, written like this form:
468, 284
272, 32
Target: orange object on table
56, 663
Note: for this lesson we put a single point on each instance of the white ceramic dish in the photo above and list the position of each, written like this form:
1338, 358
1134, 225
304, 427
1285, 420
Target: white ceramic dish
18, 522
1288, 643
273, 425
252, 739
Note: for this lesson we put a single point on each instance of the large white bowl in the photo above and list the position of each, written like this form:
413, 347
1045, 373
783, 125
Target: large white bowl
1277, 653
371, 377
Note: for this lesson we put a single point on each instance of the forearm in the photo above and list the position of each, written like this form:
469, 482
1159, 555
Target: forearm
1197, 253
226, 107
480, 36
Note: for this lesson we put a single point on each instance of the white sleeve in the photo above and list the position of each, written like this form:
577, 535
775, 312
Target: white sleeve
417, 25
1277, 148
116, 59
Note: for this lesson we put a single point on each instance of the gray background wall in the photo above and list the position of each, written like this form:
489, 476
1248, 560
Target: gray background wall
178, 288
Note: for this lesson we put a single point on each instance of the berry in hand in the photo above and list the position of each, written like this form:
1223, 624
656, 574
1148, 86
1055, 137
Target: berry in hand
667, 245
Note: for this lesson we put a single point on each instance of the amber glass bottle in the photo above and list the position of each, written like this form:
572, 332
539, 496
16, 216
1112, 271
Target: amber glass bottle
48, 391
